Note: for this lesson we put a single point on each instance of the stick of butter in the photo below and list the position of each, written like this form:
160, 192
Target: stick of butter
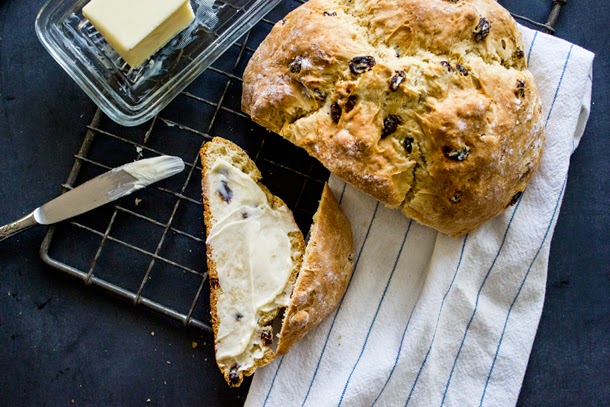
136, 29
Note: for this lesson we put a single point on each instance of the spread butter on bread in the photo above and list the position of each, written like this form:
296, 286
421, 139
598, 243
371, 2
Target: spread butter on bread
258, 265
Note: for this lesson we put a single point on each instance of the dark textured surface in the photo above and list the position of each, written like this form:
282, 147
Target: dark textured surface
60, 341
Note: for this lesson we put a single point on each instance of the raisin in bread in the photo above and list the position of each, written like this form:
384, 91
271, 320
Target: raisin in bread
255, 252
426, 105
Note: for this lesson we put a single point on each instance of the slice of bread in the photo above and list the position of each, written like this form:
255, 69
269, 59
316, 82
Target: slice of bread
223, 299
255, 252
325, 274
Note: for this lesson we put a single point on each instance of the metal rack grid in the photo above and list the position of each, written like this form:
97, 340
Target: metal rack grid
161, 228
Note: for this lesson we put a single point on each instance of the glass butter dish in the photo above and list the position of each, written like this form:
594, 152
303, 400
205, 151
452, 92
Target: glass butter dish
132, 96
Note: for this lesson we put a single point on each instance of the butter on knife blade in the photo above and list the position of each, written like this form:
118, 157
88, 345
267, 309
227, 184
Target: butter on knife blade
146, 172
103, 189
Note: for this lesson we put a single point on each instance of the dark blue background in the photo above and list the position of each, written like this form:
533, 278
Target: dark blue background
60, 341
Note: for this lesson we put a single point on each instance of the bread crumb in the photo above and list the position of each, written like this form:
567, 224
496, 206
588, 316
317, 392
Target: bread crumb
194, 344
168, 362
137, 201
72, 401
148, 400
152, 333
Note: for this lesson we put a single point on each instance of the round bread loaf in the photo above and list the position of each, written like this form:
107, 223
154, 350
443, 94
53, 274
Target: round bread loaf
426, 105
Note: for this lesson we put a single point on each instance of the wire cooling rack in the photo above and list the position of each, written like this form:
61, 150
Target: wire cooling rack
549, 26
149, 248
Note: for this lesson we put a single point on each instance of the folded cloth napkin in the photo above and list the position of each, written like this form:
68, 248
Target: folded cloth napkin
430, 320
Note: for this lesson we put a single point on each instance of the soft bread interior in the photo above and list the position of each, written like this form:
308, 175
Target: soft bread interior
254, 251
313, 286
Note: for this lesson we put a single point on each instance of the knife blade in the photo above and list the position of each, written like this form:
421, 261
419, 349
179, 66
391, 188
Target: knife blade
108, 187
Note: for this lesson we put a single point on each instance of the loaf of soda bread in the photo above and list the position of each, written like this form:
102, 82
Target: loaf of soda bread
426, 105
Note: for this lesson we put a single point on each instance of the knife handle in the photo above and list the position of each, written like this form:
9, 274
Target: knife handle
18, 226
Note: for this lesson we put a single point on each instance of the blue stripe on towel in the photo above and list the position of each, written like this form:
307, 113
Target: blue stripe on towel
332, 324
529, 53
407, 326
402, 340
342, 193
476, 304
546, 234
385, 290
273, 380
438, 318
565, 65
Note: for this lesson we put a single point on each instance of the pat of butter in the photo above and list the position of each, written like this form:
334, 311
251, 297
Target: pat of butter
136, 29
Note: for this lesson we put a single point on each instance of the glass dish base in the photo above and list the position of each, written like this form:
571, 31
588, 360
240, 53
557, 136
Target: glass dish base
133, 96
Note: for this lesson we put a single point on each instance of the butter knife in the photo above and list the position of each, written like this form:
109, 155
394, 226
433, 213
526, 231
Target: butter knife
98, 191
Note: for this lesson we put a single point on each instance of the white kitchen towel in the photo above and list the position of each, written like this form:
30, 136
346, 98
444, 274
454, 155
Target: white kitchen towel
430, 320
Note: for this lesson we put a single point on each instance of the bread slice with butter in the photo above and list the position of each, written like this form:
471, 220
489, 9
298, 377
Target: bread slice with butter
259, 268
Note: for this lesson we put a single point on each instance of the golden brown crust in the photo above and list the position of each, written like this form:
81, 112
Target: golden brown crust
326, 271
213, 149
462, 114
